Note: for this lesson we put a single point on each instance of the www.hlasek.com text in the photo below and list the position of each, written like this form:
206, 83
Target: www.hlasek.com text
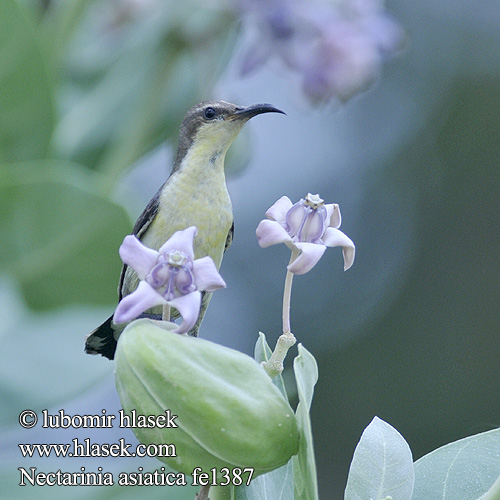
86, 449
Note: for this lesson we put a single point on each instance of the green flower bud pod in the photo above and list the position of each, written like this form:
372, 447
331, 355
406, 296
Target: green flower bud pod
229, 413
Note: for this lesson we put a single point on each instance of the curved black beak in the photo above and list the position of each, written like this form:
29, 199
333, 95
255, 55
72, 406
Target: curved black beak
255, 109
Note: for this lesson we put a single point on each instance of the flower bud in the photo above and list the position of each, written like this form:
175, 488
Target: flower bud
229, 413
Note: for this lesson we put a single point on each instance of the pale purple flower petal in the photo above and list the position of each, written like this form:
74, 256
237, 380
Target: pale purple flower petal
279, 210
189, 308
139, 257
133, 305
184, 281
335, 238
206, 275
181, 241
271, 233
306, 223
295, 218
348, 254
308, 258
333, 211
158, 276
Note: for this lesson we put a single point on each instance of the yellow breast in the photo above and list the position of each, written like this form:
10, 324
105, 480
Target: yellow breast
205, 205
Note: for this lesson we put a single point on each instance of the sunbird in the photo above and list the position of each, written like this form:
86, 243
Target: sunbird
195, 194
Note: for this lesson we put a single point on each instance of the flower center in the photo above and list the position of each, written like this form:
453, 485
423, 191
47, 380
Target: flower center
172, 276
314, 201
306, 220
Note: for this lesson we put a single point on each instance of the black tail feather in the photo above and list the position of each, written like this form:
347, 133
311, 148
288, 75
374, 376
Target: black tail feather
103, 340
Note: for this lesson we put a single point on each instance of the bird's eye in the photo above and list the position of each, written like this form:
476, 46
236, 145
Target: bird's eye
210, 113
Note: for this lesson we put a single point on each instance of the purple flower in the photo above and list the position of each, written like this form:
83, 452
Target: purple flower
168, 276
307, 227
337, 48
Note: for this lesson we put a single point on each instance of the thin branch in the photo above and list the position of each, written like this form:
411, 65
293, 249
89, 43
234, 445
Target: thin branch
166, 313
203, 493
287, 294
274, 365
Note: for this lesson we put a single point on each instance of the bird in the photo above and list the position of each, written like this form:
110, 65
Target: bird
194, 194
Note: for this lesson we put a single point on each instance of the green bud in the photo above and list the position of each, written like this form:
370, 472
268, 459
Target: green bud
229, 413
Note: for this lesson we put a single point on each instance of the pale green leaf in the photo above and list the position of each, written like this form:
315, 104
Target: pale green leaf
275, 485
382, 465
262, 351
42, 358
60, 237
462, 470
26, 101
304, 464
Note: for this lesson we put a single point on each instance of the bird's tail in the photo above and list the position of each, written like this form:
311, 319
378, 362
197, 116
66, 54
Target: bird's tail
103, 339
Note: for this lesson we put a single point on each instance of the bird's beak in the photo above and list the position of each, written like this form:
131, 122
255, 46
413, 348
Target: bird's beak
255, 109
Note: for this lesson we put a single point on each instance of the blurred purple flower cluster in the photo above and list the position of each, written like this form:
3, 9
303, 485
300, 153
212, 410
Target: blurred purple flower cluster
336, 46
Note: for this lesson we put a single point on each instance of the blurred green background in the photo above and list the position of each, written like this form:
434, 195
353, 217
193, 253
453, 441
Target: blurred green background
89, 91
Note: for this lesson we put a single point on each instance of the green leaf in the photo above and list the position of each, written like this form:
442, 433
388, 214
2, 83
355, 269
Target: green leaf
262, 351
26, 101
58, 27
275, 485
464, 469
382, 465
304, 464
60, 237
134, 95
100, 126
55, 341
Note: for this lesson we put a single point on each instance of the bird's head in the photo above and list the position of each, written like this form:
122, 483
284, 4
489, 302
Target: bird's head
212, 126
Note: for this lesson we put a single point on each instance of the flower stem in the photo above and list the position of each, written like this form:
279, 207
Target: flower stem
166, 313
203, 493
274, 365
220, 493
287, 294
494, 492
